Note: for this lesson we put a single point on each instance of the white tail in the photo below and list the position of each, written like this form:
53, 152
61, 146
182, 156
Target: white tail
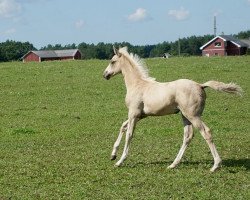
224, 87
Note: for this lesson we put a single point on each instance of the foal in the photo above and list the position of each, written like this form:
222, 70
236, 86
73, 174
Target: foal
146, 97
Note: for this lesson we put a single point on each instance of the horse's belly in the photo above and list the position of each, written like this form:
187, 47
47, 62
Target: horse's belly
156, 110
160, 101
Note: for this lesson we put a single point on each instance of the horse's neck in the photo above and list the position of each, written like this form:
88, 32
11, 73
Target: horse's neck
131, 77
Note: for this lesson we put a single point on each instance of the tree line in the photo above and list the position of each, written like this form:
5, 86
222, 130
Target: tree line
189, 46
186, 46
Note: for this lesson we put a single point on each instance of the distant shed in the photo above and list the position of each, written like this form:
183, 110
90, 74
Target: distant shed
166, 55
39, 56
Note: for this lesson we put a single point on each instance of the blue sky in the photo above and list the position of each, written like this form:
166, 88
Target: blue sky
139, 22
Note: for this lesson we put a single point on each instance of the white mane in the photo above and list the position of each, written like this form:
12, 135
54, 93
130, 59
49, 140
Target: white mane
137, 62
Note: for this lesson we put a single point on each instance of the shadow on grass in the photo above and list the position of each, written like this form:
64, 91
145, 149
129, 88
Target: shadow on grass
167, 163
163, 163
244, 163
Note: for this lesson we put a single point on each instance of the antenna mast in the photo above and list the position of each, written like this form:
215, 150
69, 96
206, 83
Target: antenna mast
215, 28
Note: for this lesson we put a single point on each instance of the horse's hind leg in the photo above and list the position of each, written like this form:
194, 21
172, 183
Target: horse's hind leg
118, 140
188, 135
206, 133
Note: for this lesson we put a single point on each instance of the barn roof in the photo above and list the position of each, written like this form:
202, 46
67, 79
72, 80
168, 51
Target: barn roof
45, 54
54, 53
246, 41
64, 53
225, 38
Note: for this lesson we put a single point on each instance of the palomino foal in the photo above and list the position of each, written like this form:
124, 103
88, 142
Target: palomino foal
146, 97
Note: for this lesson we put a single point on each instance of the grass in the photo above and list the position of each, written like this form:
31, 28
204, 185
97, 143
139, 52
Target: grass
58, 122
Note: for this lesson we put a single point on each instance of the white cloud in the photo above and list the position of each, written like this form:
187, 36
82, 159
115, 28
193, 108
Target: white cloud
180, 14
139, 15
8, 31
9, 8
79, 24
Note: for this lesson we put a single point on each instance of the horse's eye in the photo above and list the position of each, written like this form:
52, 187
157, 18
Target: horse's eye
113, 62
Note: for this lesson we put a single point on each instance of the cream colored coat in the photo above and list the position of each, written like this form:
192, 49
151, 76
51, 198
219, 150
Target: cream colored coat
147, 97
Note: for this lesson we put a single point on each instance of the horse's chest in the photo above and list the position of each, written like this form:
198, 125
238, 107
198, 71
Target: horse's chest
132, 100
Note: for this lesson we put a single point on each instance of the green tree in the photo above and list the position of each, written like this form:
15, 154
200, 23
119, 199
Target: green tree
243, 34
12, 50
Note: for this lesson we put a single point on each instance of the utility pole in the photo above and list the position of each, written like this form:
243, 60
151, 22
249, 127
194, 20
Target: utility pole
179, 47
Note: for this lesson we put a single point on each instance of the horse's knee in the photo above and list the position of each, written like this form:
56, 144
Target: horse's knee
124, 126
188, 134
188, 139
208, 133
191, 135
205, 131
208, 137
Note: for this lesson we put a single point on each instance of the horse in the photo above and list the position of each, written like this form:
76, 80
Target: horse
147, 97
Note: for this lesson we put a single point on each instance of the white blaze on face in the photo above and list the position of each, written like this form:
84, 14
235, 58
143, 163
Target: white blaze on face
108, 72
113, 68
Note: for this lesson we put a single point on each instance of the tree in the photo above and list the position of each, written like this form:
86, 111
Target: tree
12, 50
243, 34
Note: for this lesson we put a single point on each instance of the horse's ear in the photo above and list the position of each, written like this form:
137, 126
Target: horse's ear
115, 50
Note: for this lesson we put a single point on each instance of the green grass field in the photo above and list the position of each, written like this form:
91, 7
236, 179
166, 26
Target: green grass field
59, 120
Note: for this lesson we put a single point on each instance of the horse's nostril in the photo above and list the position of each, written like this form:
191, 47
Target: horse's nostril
106, 75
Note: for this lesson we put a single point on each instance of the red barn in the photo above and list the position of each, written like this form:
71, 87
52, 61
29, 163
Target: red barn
224, 45
39, 56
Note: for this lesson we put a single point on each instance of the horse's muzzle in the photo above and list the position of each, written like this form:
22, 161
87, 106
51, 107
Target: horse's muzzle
106, 75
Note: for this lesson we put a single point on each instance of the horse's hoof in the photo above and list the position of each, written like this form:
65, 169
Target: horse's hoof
113, 157
213, 169
117, 164
216, 166
171, 166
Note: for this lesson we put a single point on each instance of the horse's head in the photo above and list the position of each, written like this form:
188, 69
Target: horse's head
114, 66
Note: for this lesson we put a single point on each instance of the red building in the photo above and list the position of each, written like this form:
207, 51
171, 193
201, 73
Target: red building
39, 56
224, 45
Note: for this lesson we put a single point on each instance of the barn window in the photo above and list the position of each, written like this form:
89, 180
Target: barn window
217, 44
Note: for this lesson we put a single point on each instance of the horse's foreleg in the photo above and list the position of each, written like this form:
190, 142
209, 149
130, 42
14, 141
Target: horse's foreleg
130, 128
188, 135
118, 140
